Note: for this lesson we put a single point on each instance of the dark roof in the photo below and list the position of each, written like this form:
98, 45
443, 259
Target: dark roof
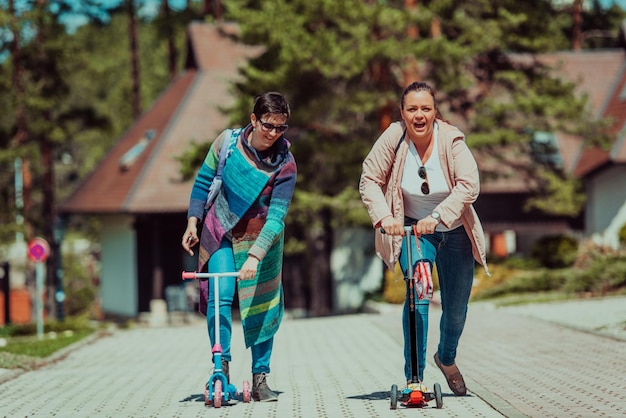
187, 111
595, 73
600, 76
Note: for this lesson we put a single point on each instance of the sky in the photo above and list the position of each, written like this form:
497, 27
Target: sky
150, 8
147, 9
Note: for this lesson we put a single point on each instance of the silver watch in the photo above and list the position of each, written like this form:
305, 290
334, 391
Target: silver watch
436, 216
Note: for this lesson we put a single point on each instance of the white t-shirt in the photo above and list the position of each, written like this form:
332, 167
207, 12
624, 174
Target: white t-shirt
417, 205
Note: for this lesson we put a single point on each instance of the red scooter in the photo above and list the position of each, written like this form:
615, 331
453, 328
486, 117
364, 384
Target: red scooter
415, 395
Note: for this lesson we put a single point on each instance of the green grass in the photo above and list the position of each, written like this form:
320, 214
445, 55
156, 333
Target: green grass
529, 297
47, 345
514, 283
517, 280
21, 347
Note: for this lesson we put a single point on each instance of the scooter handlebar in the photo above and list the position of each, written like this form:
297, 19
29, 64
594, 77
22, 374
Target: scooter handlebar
189, 275
186, 275
407, 230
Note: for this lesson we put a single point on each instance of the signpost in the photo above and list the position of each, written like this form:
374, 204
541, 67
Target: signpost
38, 251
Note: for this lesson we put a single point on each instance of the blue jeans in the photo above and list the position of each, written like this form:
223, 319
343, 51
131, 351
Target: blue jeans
221, 261
451, 252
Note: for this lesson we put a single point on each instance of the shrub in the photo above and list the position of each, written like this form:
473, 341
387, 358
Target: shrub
395, 286
622, 235
590, 251
521, 263
79, 288
526, 282
555, 251
500, 273
603, 275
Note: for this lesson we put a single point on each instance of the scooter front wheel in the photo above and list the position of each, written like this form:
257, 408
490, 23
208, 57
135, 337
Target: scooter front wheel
394, 396
438, 395
217, 394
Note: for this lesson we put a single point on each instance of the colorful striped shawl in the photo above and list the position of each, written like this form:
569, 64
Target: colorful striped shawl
252, 204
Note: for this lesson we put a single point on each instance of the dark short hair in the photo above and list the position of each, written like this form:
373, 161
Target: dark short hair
271, 102
421, 86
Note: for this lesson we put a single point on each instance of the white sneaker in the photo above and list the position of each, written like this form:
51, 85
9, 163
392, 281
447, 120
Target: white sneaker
417, 386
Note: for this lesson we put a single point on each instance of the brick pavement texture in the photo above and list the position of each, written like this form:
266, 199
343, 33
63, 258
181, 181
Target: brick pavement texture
549, 362
515, 365
327, 367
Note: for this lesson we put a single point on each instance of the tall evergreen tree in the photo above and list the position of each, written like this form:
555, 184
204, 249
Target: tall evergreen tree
37, 89
338, 63
65, 99
343, 63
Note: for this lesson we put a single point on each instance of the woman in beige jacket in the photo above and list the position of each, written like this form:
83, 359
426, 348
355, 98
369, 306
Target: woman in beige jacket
420, 172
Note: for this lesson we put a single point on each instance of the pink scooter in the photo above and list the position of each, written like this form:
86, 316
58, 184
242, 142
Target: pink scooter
218, 388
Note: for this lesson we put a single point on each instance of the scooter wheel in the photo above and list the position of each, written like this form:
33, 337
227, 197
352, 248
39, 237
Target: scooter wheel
394, 397
438, 395
217, 394
245, 391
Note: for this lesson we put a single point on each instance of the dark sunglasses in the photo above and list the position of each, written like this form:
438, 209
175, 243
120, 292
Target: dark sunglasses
422, 173
267, 127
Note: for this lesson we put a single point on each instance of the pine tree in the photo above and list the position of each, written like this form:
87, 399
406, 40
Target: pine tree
343, 66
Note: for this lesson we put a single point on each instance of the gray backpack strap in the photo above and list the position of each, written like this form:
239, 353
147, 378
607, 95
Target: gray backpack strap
224, 152
400, 142
216, 184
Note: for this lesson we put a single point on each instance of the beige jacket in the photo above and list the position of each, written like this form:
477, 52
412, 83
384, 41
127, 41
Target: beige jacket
382, 196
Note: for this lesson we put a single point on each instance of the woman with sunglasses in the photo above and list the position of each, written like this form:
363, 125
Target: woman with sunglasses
420, 172
243, 231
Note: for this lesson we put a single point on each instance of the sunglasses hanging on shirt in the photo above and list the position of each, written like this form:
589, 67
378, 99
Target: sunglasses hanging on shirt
422, 173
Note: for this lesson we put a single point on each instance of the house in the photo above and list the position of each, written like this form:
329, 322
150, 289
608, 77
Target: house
605, 186
139, 195
137, 191
604, 170
600, 75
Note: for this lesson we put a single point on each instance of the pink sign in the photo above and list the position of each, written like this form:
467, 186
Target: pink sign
38, 249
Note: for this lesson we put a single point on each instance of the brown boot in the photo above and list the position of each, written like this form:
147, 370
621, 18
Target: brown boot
261, 392
225, 370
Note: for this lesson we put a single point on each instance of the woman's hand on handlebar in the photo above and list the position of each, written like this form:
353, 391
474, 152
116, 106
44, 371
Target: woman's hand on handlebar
392, 226
426, 226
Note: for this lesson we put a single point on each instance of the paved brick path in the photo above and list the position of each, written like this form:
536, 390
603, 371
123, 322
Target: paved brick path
343, 366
